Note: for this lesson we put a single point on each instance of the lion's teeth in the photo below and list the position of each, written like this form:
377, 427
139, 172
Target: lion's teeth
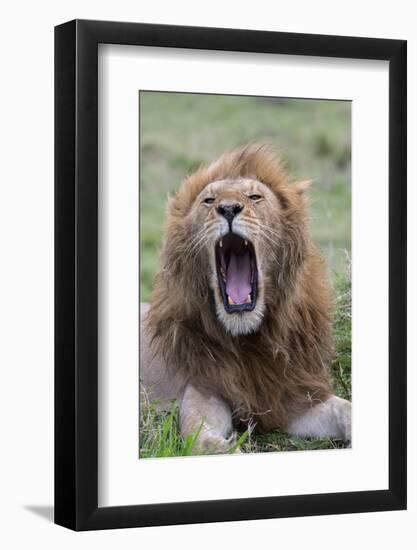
231, 302
248, 300
246, 242
221, 243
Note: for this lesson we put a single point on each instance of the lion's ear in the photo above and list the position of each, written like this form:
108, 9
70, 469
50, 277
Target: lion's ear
301, 186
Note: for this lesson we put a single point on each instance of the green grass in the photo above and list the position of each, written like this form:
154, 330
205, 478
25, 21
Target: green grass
160, 437
159, 434
181, 131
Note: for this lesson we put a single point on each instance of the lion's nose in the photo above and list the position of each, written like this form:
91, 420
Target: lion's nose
229, 210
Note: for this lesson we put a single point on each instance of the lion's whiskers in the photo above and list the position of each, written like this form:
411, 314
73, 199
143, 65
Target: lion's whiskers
201, 239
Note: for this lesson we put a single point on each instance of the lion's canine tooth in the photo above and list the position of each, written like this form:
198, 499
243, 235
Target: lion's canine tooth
246, 242
248, 300
231, 302
221, 243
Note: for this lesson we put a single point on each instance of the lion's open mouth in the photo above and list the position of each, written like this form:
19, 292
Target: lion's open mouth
237, 273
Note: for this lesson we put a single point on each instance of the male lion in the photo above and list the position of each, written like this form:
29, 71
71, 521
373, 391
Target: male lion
240, 321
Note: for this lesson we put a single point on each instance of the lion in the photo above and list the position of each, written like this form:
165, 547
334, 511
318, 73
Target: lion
239, 326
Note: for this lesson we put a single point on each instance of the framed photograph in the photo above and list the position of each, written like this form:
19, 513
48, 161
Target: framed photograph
230, 275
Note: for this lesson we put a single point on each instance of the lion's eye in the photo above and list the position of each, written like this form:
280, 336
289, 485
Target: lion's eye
255, 197
208, 200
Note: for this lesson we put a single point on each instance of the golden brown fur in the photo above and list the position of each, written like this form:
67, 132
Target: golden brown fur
279, 370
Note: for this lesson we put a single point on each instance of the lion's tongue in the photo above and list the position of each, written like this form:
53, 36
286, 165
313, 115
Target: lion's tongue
238, 280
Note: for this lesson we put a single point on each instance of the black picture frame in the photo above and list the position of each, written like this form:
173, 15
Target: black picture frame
76, 272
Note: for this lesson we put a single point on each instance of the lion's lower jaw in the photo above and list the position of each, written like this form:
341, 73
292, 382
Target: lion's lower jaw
238, 324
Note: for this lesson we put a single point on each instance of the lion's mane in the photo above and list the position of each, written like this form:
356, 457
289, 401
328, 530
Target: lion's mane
282, 368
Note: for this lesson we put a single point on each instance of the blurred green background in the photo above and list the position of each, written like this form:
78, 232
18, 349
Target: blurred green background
180, 131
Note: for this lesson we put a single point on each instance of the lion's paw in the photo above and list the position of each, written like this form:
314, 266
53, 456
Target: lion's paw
209, 443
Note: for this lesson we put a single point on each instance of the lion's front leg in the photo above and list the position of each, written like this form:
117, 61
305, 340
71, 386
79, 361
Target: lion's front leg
207, 413
332, 418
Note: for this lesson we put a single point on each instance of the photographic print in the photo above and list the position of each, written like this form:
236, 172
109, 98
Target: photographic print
212, 208
245, 255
